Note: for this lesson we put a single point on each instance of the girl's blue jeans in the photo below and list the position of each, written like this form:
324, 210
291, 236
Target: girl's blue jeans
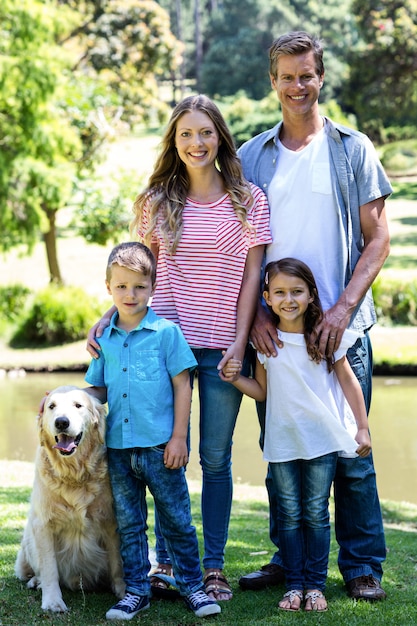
219, 407
303, 490
131, 472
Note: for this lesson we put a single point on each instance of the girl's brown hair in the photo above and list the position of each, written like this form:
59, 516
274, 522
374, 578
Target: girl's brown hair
314, 312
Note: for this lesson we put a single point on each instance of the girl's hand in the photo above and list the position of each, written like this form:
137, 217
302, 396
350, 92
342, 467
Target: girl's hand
230, 371
364, 441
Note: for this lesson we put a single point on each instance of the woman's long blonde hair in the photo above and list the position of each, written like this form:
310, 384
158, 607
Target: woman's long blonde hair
169, 184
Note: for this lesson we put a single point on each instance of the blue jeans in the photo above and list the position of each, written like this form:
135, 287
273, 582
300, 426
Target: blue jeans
358, 518
131, 472
303, 489
219, 407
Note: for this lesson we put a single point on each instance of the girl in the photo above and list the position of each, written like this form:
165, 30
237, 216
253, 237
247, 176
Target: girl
309, 421
208, 228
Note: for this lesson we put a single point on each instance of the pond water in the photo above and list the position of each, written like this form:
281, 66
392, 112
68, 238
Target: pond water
392, 420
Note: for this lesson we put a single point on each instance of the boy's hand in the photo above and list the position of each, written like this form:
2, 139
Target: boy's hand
176, 453
364, 441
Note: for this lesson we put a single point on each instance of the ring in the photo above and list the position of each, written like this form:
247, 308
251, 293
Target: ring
332, 337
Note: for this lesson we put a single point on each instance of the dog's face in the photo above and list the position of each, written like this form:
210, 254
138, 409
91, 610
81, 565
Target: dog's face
69, 416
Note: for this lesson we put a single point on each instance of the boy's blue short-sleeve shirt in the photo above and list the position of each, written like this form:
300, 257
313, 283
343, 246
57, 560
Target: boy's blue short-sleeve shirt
137, 368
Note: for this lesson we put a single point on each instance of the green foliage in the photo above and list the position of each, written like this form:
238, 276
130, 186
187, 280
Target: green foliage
232, 30
57, 315
395, 302
105, 213
247, 118
69, 71
400, 157
13, 300
382, 87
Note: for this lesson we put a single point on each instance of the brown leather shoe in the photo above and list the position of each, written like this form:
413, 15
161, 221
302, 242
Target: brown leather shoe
268, 576
365, 588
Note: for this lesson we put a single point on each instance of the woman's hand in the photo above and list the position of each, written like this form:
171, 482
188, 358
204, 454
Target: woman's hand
96, 331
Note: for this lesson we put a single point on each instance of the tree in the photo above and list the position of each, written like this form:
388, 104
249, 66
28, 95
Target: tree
239, 34
382, 86
69, 71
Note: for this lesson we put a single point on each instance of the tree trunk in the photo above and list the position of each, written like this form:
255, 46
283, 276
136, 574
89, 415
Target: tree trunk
51, 252
198, 44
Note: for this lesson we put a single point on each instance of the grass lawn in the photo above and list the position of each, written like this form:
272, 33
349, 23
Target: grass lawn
248, 548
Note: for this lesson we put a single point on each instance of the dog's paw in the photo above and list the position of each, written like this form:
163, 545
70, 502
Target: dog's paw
56, 605
52, 600
33, 583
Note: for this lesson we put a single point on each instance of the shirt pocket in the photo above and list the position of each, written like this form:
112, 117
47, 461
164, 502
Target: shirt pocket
231, 238
147, 365
321, 180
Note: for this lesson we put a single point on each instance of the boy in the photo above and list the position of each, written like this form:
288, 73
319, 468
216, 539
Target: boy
143, 374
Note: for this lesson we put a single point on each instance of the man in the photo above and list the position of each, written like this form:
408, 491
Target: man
327, 190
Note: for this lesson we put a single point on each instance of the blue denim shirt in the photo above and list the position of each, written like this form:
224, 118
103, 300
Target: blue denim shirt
357, 178
137, 368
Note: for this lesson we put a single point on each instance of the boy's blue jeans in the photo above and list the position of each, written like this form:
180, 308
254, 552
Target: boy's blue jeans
303, 519
358, 519
131, 472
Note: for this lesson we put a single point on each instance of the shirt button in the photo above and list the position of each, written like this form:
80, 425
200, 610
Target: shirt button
274, 161
264, 185
126, 420
125, 369
125, 395
125, 345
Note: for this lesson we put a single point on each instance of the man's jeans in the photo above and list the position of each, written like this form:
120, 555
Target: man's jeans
303, 519
131, 471
358, 519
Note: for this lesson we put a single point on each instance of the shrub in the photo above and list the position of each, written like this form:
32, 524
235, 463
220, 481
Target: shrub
395, 303
58, 315
13, 299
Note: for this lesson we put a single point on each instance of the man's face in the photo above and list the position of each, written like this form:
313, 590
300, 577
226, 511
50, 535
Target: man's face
297, 83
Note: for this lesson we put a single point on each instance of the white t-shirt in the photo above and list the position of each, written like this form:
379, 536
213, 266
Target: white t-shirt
307, 414
304, 220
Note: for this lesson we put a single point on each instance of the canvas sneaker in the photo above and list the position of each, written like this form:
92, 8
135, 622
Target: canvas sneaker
127, 608
201, 605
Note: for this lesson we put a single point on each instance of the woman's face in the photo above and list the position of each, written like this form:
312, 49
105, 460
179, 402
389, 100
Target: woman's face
197, 140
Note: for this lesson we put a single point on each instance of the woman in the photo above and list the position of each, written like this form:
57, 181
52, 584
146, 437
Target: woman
207, 227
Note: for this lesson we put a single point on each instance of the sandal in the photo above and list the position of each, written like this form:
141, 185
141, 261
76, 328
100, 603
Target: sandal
216, 585
290, 597
312, 597
163, 583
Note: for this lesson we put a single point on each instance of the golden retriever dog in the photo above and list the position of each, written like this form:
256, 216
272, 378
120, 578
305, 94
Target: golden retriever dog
70, 538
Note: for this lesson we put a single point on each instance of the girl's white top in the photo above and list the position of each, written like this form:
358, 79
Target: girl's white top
307, 414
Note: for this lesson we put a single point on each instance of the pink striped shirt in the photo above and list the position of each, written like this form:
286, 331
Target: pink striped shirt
198, 287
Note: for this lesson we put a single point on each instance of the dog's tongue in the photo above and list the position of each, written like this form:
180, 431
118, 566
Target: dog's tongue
65, 443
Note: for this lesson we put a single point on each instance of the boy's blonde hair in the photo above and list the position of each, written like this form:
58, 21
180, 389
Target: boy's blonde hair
135, 256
